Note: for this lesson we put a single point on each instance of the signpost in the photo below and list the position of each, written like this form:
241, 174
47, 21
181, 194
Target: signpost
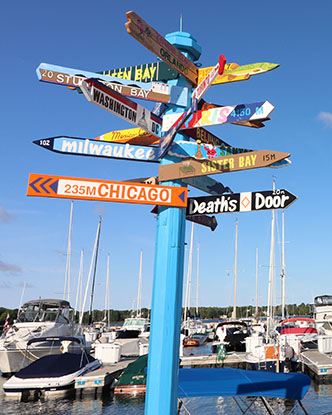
152, 91
178, 50
121, 106
105, 190
240, 202
158, 45
95, 148
222, 115
237, 162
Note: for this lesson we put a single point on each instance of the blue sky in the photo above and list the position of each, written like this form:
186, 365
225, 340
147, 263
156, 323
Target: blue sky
34, 231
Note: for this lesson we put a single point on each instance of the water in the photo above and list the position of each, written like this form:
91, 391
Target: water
318, 401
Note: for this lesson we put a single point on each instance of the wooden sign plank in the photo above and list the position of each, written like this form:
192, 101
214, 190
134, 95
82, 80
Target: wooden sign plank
222, 115
237, 162
207, 184
240, 202
123, 107
206, 82
200, 151
239, 73
204, 136
157, 44
95, 148
156, 71
148, 72
205, 220
152, 91
251, 123
131, 135
105, 190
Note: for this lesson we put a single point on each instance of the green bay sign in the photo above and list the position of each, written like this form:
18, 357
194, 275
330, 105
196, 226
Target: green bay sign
240, 202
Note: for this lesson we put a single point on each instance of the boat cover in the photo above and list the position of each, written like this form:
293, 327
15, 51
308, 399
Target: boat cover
55, 365
237, 382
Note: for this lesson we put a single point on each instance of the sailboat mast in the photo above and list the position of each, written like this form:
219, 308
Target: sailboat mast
90, 271
256, 311
79, 282
283, 267
94, 271
197, 280
139, 290
271, 267
235, 269
107, 294
66, 290
189, 273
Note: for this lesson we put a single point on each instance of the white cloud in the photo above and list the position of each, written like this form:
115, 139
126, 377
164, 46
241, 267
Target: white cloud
326, 117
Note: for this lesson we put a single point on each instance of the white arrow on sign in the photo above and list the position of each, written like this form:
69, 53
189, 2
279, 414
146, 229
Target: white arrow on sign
123, 107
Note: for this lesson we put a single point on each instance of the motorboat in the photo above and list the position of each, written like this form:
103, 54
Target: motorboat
195, 340
322, 313
36, 318
298, 332
193, 325
53, 374
232, 334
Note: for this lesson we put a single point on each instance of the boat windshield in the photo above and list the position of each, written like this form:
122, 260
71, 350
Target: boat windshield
44, 313
323, 300
129, 322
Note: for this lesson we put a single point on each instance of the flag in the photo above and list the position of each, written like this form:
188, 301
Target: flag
6, 322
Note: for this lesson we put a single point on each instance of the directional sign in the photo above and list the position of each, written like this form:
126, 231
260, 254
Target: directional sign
205, 136
148, 72
105, 190
131, 135
199, 151
203, 86
251, 123
237, 162
207, 184
157, 44
153, 91
240, 202
96, 148
239, 73
222, 115
121, 106
209, 221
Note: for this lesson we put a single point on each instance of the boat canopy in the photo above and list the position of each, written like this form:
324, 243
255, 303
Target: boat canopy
47, 302
237, 382
55, 365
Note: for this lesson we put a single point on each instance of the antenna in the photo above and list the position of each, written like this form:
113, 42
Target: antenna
181, 22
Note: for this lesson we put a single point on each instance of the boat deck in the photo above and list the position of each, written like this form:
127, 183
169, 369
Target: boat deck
101, 379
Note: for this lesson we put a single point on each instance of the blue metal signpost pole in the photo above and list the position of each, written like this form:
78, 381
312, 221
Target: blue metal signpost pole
163, 361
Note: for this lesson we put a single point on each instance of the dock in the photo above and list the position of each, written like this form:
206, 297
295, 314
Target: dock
100, 380
234, 360
317, 365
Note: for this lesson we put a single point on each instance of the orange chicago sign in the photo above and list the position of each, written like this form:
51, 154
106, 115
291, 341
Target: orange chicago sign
105, 190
